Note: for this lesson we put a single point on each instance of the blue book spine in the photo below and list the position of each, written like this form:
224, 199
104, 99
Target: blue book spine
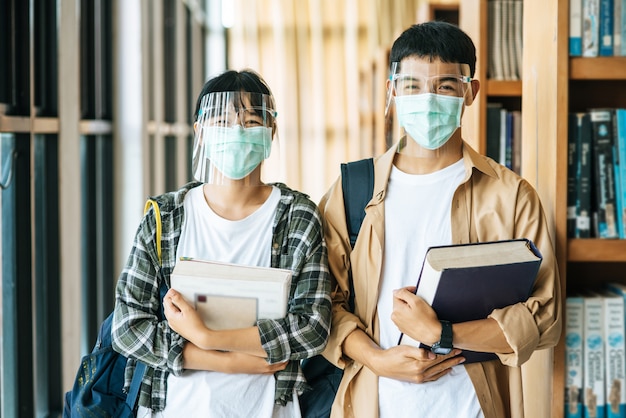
623, 27
590, 30
620, 131
606, 28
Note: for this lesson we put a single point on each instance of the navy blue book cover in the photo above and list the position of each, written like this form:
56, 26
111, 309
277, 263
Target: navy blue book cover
472, 293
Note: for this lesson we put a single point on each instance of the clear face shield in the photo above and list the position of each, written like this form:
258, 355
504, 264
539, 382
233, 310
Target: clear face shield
426, 100
233, 136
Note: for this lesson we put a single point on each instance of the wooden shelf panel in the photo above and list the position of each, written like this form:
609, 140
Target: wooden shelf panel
504, 88
596, 250
598, 68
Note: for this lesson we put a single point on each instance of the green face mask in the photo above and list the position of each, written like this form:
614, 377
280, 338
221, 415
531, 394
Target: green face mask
430, 119
239, 151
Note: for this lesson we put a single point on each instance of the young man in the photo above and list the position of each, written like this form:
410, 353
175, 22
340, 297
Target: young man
431, 188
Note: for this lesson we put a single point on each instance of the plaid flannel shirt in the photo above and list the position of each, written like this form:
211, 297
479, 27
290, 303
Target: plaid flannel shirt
297, 244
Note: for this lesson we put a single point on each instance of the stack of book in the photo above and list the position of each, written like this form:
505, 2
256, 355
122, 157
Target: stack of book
596, 188
595, 367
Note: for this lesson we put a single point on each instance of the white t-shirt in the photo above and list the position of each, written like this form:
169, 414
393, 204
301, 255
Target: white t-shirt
247, 241
417, 216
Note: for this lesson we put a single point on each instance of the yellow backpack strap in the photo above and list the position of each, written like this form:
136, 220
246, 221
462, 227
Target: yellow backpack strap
157, 216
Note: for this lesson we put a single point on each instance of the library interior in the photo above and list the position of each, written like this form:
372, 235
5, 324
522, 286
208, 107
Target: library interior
96, 115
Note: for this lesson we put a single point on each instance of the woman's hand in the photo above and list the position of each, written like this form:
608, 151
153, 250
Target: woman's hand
184, 319
414, 317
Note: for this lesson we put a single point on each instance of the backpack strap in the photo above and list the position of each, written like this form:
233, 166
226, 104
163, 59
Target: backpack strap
357, 182
141, 367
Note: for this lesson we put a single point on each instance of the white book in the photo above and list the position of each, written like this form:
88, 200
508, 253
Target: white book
591, 28
574, 326
575, 28
593, 349
615, 338
230, 296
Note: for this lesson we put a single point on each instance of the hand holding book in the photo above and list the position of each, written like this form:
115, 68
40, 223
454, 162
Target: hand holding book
184, 319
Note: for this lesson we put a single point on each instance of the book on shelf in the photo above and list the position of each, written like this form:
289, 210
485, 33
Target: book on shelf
516, 139
467, 282
620, 146
590, 29
493, 130
605, 28
604, 172
574, 324
573, 171
494, 26
230, 296
519, 18
593, 349
620, 24
614, 344
575, 28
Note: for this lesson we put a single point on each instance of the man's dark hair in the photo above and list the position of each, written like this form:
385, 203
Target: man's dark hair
231, 80
433, 40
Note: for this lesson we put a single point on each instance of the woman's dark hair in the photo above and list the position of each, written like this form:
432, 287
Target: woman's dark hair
435, 40
231, 80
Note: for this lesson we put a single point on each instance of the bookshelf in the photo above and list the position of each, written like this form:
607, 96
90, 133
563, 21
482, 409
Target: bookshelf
553, 84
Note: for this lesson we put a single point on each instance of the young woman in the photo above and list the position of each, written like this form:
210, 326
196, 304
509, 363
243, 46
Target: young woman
228, 215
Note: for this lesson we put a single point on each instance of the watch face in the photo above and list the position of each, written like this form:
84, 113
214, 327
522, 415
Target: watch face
440, 350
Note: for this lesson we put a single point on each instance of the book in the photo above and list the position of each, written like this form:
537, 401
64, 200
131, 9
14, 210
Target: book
615, 365
574, 325
575, 28
620, 139
467, 282
617, 27
230, 296
605, 28
593, 349
604, 172
590, 29
496, 64
493, 130
573, 171
584, 193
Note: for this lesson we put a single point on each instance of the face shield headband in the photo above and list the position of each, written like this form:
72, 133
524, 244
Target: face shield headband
233, 135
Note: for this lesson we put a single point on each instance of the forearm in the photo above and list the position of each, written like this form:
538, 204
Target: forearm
245, 340
195, 358
481, 335
359, 347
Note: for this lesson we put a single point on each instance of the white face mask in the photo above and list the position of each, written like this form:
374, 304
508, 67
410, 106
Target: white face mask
430, 119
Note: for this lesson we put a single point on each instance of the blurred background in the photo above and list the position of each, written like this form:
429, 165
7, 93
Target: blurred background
96, 103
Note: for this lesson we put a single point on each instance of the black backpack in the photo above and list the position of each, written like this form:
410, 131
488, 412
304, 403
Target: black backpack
98, 389
357, 180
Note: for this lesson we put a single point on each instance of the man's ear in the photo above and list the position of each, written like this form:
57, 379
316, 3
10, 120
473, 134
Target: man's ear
469, 98
195, 127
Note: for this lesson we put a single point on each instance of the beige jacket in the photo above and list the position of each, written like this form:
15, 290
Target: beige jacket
493, 203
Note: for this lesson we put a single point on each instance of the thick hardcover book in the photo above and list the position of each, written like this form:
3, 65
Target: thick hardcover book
593, 349
604, 172
574, 325
231, 296
467, 282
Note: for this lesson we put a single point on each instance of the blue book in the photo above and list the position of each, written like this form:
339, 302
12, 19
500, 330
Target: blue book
466, 282
594, 398
574, 358
590, 29
620, 139
605, 27
623, 29
585, 179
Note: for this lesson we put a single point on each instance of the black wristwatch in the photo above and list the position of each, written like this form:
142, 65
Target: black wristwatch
444, 345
